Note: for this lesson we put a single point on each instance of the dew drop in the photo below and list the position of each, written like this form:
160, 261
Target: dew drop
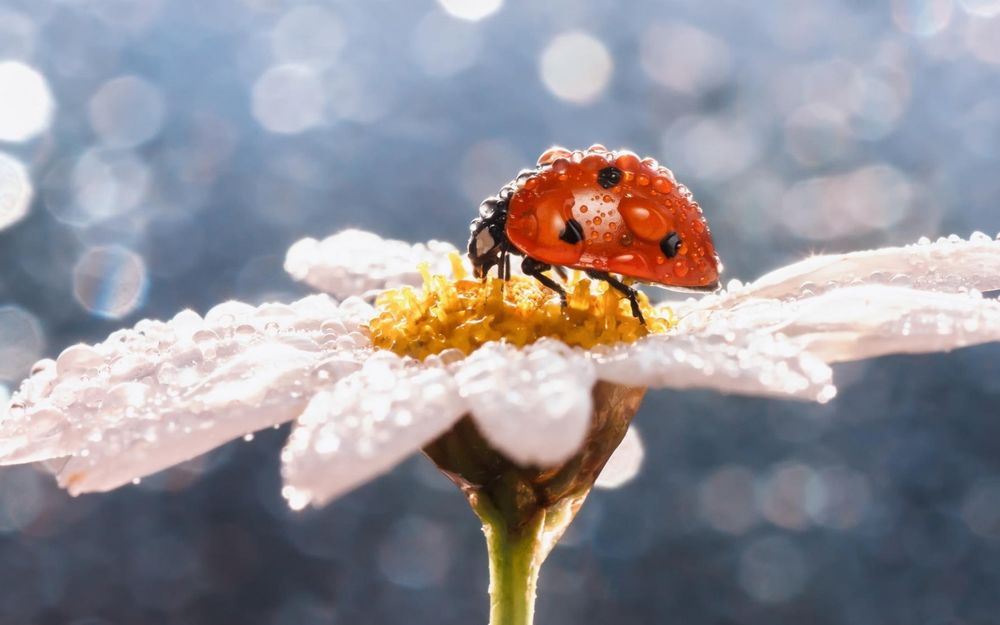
900, 279
204, 336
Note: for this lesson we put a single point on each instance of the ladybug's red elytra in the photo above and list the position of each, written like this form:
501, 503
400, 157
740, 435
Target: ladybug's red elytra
602, 212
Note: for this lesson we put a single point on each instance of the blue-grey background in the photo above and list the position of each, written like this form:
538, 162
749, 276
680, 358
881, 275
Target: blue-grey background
175, 148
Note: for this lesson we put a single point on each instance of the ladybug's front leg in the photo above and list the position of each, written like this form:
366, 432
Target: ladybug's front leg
630, 293
533, 268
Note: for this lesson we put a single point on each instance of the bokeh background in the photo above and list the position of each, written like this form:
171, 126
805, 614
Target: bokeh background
163, 154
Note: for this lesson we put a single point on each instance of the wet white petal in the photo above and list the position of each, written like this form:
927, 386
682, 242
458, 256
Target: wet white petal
534, 404
748, 363
868, 321
164, 392
355, 262
950, 264
364, 426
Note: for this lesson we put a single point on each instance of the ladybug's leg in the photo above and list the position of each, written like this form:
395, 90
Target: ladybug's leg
561, 271
533, 268
630, 293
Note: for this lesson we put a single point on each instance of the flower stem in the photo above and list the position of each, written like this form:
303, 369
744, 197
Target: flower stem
525, 509
516, 557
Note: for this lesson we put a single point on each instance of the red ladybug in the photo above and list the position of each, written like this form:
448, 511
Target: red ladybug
602, 212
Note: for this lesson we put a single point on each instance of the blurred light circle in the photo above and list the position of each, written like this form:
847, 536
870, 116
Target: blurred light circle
17, 35
624, 463
845, 501
107, 183
444, 46
712, 148
16, 191
486, 166
868, 199
415, 554
982, 38
127, 111
684, 58
471, 10
288, 99
922, 17
26, 104
21, 342
816, 134
981, 8
787, 495
309, 34
576, 67
59, 195
360, 95
772, 570
878, 100
109, 282
726, 499
981, 508
22, 497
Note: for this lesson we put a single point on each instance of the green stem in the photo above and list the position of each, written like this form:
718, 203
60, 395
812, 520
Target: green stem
526, 509
516, 556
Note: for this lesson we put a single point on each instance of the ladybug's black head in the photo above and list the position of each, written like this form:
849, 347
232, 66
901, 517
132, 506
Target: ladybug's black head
488, 239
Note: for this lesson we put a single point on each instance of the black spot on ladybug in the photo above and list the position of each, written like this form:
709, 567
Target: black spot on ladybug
572, 233
670, 244
609, 177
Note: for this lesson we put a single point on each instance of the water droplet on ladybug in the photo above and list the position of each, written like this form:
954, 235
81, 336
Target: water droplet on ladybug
627, 162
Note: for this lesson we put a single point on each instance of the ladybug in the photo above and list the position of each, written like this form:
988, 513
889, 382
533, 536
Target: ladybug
602, 212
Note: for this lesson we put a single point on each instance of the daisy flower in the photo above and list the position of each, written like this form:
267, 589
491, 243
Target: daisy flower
518, 400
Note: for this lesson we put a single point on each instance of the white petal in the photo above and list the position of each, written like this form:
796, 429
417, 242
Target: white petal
161, 393
747, 363
364, 426
868, 321
355, 262
534, 404
950, 265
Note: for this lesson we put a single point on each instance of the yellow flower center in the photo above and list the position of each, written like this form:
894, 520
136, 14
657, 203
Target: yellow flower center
463, 313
